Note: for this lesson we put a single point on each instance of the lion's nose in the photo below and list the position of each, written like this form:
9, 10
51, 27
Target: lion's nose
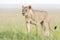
23, 14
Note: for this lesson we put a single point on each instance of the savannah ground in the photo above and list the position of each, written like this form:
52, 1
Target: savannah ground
13, 27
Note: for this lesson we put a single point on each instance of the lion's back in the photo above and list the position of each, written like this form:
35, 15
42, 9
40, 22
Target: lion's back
40, 15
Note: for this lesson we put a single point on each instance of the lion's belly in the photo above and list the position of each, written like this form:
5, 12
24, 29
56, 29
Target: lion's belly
37, 19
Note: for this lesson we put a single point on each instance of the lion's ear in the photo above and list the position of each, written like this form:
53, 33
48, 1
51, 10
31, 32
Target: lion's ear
29, 6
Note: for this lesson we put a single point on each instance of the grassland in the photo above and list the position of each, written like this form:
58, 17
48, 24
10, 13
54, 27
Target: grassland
12, 27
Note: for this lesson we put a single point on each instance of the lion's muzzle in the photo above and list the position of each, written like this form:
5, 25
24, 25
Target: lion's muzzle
23, 14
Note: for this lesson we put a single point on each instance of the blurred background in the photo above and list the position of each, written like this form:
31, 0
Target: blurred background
12, 22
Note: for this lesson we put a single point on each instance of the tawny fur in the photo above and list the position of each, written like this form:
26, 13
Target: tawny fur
36, 17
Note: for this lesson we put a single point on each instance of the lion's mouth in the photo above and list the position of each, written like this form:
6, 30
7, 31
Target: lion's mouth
23, 14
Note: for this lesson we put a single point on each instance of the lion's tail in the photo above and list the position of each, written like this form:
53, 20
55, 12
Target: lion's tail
52, 29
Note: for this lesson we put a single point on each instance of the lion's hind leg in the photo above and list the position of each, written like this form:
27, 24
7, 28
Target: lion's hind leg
46, 28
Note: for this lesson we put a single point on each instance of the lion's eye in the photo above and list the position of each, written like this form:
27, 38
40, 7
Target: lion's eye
26, 10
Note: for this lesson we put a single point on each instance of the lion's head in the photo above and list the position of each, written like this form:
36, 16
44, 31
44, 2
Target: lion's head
25, 10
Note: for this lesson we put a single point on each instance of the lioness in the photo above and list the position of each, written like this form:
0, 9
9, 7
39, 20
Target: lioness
35, 17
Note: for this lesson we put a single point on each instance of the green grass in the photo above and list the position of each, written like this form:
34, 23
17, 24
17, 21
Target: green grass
12, 27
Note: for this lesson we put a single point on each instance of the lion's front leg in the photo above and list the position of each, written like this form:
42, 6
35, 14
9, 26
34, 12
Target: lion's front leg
28, 26
37, 28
